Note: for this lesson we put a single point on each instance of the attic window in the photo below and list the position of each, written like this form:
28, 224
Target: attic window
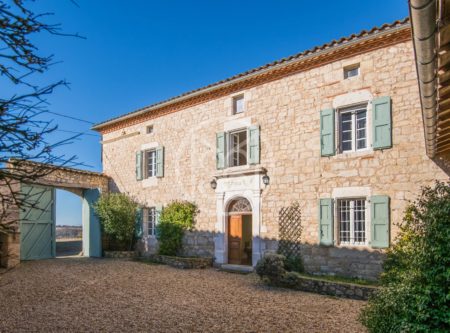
149, 129
238, 104
351, 71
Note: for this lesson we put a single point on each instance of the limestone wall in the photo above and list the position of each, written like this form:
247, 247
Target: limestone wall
287, 111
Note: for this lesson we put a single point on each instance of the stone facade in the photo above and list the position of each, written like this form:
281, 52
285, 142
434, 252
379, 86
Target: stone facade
288, 113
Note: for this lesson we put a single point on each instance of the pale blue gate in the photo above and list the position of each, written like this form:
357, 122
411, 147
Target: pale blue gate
37, 223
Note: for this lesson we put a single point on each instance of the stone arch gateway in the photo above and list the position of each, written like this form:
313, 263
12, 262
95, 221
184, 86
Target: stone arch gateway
33, 232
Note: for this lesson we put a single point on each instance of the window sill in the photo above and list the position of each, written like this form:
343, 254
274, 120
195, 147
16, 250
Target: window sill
149, 182
364, 247
240, 171
352, 154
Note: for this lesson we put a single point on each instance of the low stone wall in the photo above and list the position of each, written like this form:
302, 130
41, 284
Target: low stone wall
198, 244
119, 254
182, 262
324, 287
349, 262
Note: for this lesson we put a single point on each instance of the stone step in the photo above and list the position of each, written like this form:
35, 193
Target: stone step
243, 269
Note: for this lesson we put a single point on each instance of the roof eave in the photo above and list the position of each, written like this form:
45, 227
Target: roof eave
100, 126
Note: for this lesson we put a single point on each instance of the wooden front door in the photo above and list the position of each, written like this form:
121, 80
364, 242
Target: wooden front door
235, 239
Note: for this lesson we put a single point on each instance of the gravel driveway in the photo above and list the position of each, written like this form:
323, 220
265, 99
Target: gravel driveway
116, 296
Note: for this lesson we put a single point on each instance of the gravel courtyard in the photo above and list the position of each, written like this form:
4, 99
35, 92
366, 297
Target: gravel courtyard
117, 296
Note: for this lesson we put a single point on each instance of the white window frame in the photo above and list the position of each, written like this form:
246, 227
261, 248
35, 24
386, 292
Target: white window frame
151, 219
234, 101
230, 152
352, 241
353, 110
146, 164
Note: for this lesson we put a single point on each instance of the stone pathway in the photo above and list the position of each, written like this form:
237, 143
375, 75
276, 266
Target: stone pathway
92, 295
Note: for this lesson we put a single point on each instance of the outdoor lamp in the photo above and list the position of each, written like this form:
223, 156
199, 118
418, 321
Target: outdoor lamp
266, 180
213, 184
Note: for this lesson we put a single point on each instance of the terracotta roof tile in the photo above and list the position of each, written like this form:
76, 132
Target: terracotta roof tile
333, 43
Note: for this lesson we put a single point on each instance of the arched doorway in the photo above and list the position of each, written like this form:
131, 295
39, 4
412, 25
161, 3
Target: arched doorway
239, 232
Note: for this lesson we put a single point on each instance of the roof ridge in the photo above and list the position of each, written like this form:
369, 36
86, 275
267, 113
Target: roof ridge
334, 42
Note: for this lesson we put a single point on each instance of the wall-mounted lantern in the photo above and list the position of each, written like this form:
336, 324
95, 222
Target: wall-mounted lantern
213, 184
266, 180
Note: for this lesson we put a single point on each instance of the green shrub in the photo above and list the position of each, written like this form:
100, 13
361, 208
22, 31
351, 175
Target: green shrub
415, 294
175, 219
117, 213
290, 280
294, 264
271, 268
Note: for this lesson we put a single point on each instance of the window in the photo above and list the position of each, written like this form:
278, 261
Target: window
353, 128
151, 221
352, 221
351, 71
149, 129
238, 148
150, 163
238, 104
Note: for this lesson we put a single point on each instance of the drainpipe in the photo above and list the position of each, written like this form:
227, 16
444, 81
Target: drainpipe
424, 27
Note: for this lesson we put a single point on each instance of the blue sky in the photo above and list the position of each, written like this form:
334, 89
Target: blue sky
140, 52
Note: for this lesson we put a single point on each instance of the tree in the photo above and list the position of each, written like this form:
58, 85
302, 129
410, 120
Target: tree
415, 293
23, 128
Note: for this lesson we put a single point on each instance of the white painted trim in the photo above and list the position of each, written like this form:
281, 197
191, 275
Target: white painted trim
149, 145
348, 193
228, 189
236, 124
352, 98
354, 191
149, 182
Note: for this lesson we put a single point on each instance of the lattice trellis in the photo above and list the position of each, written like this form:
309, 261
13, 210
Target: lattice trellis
290, 230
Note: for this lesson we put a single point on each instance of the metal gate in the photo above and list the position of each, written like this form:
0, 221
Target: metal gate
37, 223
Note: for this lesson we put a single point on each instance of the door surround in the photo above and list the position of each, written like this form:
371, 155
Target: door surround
229, 189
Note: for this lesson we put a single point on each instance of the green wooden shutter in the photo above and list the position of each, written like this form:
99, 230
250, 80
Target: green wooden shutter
160, 162
253, 145
139, 173
138, 230
158, 209
220, 150
326, 218
381, 123
379, 231
327, 145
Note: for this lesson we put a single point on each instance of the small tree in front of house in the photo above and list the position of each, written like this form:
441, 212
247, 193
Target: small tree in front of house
117, 213
175, 219
415, 293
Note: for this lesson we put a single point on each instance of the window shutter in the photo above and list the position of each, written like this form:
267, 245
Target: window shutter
220, 150
381, 123
158, 210
139, 163
326, 218
138, 229
327, 145
253, 145
160, 162
379, 231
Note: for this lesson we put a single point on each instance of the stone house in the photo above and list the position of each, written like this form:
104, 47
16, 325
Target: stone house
337, 128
